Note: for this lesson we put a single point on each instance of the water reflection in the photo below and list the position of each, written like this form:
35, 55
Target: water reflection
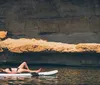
39, 80
65, 76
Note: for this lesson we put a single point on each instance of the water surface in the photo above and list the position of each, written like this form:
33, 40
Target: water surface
65, 76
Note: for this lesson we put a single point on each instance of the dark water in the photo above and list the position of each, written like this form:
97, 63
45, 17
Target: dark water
65, 76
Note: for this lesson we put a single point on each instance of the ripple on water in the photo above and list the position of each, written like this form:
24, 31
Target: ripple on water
65, 76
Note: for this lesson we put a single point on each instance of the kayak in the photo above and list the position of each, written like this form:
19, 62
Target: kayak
47, 73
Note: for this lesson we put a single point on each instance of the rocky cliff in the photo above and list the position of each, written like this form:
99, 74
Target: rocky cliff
68, 21
32, 45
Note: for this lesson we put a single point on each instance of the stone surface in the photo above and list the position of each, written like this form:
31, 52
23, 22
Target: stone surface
3, 34
32, 18
33, 45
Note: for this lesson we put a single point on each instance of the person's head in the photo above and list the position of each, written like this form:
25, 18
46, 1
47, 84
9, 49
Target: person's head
1, 70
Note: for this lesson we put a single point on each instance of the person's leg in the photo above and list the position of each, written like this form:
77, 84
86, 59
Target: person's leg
29, 71
23, 70
24, 66
35, 70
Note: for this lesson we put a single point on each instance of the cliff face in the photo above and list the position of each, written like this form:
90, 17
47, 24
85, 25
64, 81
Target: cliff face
70, 21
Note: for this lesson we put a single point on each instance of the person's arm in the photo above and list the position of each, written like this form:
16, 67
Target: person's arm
29, 71
37, 71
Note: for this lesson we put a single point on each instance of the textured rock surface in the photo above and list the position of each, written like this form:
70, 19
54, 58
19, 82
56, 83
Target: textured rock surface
3, 34
78, 21
33, 45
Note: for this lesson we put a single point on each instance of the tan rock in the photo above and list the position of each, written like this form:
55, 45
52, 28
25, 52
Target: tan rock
88, 47
3, 34
34, 45
1, 50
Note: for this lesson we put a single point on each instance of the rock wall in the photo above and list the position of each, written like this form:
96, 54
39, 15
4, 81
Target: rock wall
43, 46
70, 21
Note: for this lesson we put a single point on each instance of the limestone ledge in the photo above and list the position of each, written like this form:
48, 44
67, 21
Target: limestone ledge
33, 45
3, 34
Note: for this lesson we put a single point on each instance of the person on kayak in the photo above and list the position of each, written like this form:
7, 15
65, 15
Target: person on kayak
22, 68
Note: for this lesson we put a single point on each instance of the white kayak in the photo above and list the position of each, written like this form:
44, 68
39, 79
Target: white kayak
48, 73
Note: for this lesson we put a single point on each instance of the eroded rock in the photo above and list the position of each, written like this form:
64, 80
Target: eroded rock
3, 34
33, 45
